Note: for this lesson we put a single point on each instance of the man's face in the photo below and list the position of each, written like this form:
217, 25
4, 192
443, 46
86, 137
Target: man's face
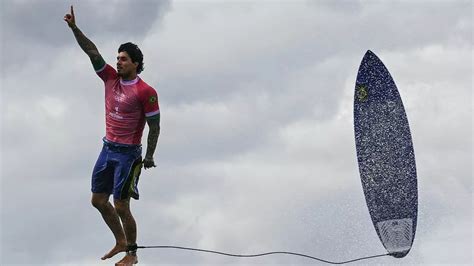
125, 66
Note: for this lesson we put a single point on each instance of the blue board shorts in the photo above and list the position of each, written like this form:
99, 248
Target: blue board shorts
117, 170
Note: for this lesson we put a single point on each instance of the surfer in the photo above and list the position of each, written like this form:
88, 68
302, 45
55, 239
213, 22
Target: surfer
129, 104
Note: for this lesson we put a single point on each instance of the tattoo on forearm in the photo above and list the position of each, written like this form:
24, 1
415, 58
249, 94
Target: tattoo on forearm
88, 47
153, 135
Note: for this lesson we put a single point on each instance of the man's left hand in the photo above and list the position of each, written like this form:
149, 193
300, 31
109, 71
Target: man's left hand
148, 162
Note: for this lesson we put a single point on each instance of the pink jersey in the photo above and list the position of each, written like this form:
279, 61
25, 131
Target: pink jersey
127, 104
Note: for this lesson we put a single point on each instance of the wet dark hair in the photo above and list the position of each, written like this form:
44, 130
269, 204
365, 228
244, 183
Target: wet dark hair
135, 54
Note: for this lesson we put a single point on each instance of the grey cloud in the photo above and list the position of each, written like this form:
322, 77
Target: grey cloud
269, 75
41, 22
35, 30
347, 35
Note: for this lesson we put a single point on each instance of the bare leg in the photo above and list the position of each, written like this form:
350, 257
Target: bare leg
111, 218
130, 228
129, 225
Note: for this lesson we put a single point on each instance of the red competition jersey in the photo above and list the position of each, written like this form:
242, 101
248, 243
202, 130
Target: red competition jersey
127, 104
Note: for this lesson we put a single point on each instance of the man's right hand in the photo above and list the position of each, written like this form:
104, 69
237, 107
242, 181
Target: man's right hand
70, 19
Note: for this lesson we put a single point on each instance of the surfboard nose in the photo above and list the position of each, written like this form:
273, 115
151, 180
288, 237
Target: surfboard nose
369, 56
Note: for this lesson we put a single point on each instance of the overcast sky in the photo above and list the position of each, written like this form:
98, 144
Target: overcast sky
257, 149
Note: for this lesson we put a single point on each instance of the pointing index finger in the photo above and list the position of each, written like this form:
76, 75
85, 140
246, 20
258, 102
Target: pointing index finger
72, 10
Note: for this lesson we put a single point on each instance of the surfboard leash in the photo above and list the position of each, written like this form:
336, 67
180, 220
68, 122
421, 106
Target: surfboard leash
261, 254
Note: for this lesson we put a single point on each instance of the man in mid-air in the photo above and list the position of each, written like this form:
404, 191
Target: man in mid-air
129, 104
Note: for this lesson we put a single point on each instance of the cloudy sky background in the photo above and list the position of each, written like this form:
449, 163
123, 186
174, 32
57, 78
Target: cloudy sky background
257, 149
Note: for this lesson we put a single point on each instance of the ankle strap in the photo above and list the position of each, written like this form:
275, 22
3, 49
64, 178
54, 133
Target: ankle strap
132, 249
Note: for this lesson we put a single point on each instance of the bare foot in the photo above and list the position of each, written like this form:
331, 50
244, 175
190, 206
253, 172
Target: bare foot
128, 260
117, 249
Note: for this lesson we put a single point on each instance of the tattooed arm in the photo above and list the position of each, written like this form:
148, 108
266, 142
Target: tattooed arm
154, 125
86, 45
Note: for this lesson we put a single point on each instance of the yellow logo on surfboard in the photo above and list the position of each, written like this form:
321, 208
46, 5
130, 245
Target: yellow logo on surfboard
362, 93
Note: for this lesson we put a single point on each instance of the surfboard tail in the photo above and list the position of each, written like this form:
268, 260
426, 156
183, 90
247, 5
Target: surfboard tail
396, 235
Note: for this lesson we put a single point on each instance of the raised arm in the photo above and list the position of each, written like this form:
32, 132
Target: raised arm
86, 45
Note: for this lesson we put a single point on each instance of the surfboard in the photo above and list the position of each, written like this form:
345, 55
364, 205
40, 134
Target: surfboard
385, 155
